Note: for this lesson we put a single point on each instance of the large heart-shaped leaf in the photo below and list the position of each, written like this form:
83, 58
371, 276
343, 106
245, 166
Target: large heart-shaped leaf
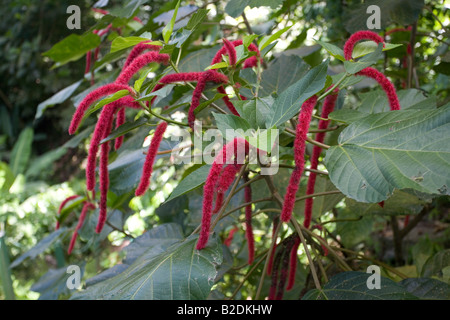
289, 101
40, 247
282, 73
393, 150
179, 273
352, 285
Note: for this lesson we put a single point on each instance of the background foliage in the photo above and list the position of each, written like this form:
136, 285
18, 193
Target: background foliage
40, 164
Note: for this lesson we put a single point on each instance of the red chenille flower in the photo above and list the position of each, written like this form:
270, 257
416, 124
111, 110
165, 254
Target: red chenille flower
230, 150
386, 85
304, 120
328, 107
87, 206
62, 205
150, 159
91, 98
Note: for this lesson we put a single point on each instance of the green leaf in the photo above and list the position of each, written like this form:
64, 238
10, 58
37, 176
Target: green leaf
127, 10
353, 67
197, 60
365, 47
197, 18
179, 273
218, 65
335, 51
53, 283
58, 97
116, 96
40, 247
283, 72
234, 8
288, 103
266, 40
400, 12
192, 181
120, 43
72, 48
435, 265
426, 288
231, 123
400, 203
347, 116
125, 128
44, 162
6, 177
205, 104
407, 149
168, 29
255, 111
21, 152
352, 285
376, 101
248, 39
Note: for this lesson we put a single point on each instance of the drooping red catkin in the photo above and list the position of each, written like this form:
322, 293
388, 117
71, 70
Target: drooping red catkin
232, 148
196, 95
231, 51
104, 181
285, 264
120, 120
248, 222
87, 206
100, 131
385, 84
406, 222
91, 98
209, 75
225, 181
274, 275
62, 205
138, 63
248, 63
358, 36
275, 223
150, 158
138, 49
304, 120
293, 264
230, 237
227, 101
327, 108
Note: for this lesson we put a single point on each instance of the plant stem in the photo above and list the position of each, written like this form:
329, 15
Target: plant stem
175, 68
318, 194
248, 275
269, 254
377, 262
228, 199
161, 117
308, 255
334, 87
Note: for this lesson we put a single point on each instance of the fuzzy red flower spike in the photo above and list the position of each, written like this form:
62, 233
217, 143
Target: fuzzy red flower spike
304, 120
